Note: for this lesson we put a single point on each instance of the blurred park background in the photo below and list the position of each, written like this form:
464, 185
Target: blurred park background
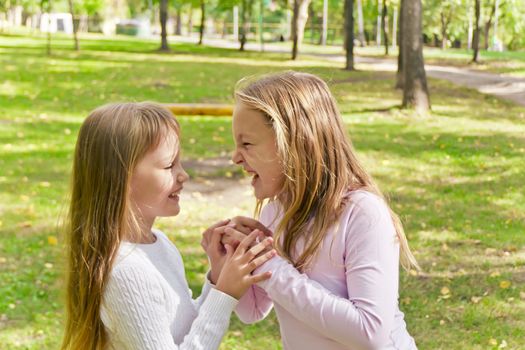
447, 145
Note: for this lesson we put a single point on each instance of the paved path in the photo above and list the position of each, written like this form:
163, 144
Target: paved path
510, 88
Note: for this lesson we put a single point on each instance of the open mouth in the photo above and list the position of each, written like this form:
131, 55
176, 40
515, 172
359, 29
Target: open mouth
174, 195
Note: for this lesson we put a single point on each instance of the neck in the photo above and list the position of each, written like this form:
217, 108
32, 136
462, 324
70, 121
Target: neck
144, 235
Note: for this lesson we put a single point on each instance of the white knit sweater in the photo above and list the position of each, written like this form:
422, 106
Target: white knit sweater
147, 303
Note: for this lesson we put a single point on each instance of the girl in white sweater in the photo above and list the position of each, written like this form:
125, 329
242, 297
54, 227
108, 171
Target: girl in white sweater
126, 283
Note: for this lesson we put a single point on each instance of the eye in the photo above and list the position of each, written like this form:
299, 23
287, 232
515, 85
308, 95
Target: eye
246, 144
169, 166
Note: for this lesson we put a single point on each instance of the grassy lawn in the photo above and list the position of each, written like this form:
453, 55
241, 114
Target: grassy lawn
456, 178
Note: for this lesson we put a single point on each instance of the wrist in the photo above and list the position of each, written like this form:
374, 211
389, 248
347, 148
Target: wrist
213, 276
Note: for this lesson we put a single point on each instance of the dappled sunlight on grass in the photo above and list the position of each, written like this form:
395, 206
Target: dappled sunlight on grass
455, 177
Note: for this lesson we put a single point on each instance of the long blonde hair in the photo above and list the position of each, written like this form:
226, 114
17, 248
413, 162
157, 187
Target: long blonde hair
110, 142
319, 163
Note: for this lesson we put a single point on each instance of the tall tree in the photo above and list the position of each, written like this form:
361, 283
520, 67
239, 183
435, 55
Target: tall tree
300, 16
384, 24
415, 90
75, 26
349, 34
324, 31
445, 18
400, 76
360, 24
47, 6
488, 24
475, 40
246, 14
178, 19
163, 12
203, 21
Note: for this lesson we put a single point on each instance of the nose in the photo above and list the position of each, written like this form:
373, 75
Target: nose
237, 157
182, 176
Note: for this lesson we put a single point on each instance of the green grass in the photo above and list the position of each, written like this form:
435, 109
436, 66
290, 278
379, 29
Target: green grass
455, 177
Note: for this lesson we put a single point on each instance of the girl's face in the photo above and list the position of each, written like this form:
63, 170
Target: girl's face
256, 150
157, 181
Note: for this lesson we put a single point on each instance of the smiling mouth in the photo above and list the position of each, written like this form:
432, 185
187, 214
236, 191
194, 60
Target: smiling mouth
175, 194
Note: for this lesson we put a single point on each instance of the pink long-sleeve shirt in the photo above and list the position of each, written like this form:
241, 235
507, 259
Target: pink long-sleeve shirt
348, 297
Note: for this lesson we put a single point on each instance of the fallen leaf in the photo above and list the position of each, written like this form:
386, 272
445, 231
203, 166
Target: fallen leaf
52, 240
445, 291
493, 341
25, 224
495, 274
504, 284
441, 322
475, 300
503, 344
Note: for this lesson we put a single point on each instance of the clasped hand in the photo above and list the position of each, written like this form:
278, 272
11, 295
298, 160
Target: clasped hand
235, 248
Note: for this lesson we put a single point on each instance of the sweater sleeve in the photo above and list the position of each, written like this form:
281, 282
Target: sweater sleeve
135, 309
206, 287
364, 319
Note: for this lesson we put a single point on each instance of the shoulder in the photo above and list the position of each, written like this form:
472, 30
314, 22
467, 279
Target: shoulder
270, 214
366, 204
132, 270
366, 217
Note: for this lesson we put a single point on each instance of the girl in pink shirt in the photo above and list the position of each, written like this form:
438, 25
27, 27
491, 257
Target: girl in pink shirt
334, 283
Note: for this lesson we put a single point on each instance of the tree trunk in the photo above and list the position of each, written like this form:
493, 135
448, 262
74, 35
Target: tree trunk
190, 21
349, 34
400, 77
444, 31
324, 32
415, 91
475, 40
360, 24
75, 27
244, 25
203, 21
488, 24
300, 16
163, 19
384, 25
47, 6
178, 21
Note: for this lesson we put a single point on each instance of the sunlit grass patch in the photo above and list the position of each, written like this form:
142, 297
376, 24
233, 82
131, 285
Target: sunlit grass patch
455, 177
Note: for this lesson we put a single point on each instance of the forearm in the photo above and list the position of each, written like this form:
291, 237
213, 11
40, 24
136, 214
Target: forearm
364, 319
254, 305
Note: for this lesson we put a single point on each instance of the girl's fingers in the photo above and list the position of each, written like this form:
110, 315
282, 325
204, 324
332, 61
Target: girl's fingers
244, 229
255, 263
229, 251
210, 229
227, 239
215, 239
251, 224
259, 278
234, 235
246, 242
256, 249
